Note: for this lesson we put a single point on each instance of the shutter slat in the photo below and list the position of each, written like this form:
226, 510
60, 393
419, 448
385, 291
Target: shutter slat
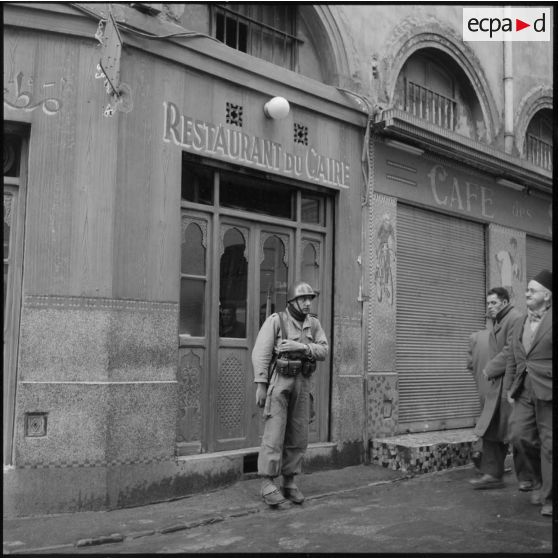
440, 302
539, 256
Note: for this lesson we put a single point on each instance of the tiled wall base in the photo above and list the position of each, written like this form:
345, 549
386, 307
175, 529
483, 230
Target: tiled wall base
425, 452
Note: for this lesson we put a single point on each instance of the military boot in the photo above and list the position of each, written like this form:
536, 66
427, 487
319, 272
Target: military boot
291, 490
270, 493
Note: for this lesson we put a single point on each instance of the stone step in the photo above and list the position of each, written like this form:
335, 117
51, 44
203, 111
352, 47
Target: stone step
424, 452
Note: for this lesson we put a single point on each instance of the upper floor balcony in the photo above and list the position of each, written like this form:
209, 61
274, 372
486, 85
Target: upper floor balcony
429, 105
539, 152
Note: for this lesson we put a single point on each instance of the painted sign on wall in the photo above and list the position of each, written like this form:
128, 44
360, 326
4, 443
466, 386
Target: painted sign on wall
445, 186
230, 144
24, 97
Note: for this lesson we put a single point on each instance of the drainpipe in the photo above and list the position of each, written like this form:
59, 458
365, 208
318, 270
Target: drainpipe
508, 91
362, 260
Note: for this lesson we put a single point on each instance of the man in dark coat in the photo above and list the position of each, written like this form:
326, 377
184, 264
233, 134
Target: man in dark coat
477, 356
528, 383
492, 425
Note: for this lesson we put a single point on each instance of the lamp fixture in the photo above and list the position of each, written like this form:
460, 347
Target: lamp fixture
509, 184
404, 147
277, 108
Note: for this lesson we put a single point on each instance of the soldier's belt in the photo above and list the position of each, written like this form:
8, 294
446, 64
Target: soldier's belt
293, 367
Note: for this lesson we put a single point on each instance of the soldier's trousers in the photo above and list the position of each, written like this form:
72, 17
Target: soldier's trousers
286, 415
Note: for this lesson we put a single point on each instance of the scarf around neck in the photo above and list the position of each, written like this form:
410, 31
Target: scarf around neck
295, 313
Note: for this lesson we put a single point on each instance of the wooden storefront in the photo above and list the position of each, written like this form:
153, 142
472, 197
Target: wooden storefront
136, 226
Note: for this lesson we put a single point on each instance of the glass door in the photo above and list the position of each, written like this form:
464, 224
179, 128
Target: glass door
253, 282
244, 241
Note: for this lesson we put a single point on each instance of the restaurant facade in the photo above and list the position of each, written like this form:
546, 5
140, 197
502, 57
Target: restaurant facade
170, 168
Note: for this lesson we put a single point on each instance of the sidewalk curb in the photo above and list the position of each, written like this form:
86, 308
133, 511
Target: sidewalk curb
173, 527
115, 538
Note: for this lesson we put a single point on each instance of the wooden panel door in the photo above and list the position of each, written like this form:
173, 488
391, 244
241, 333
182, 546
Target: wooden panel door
230, 363
254, 273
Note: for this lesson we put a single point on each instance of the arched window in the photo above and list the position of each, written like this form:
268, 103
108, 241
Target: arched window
233, 285
193, 278
538, 139
431, 86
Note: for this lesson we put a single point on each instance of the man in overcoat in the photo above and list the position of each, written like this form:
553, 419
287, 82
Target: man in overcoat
477, 357
528, 383
492, 425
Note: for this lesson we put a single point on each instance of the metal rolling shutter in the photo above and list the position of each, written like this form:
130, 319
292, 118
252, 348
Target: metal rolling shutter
440, 302
539, 256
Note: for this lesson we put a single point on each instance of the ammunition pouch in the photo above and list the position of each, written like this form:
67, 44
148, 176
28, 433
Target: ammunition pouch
293, 367
308, 367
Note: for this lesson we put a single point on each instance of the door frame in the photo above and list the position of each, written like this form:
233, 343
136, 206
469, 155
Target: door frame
14, 289
256, 223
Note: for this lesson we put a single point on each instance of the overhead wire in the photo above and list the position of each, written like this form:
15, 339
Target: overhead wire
131, 29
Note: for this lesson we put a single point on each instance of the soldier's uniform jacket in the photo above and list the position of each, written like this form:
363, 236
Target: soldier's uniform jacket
269, 337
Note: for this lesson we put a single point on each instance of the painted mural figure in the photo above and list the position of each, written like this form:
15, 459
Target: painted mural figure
509, 264
284, 357
383, 275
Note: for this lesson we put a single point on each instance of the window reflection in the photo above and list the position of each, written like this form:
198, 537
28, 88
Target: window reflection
193, 251
192, 282
310, 266
192, 308
310, 210
273, 278
233, 290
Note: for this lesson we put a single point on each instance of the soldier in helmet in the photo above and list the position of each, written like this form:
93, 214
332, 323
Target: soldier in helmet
284, 357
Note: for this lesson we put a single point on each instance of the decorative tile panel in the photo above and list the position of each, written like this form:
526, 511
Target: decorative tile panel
383, 404
423, 453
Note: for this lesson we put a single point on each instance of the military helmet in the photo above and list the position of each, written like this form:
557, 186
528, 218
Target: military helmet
300, 289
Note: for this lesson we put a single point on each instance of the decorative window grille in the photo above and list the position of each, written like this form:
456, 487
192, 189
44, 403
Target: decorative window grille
267, 31
429, 105
300, 134
234, 114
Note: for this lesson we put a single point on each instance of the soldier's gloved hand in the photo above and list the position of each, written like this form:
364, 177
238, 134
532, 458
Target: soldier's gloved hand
288, 345
261, 394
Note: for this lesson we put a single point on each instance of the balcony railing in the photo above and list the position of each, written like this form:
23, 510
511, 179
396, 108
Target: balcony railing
539, 152
431, 106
